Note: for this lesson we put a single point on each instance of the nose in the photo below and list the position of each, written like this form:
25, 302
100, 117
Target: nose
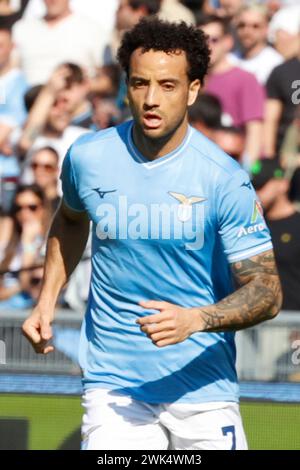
151, 97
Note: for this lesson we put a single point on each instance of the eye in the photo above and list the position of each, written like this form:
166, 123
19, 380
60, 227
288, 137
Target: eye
138, 83
168, 86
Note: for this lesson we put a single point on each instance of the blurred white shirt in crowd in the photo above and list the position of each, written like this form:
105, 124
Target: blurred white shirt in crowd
262, 64
61, 145
40, 48
101, 11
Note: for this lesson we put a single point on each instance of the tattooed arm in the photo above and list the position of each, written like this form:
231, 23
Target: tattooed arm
258, 299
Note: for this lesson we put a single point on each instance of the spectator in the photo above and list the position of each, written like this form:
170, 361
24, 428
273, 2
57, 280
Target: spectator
12, 88
284, 222
60, 36
252, 29
44, 165
12, 115
242, 97
48, 125
74, 96
128, 14
281, 103
231, 140
95, 10
205, 114
284, 31
274, 5
290, 150
9, 14
229, 8
105, 112
107, 80
34, 282
30, 216
198, 6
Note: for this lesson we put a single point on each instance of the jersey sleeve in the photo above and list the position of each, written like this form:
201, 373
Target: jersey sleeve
69, 186
242, 226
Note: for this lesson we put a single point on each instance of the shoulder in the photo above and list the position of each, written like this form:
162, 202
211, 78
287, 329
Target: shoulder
213, 157
83, 22
270, 53
283, 69
18, 77
96, 143
26, 25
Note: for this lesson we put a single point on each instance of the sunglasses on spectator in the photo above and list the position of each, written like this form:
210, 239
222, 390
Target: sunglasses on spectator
47, 166
243, 25
31, 207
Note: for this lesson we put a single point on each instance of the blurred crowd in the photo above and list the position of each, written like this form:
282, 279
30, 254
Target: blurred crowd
59, 78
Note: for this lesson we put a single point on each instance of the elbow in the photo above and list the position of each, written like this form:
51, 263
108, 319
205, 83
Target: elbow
278, 299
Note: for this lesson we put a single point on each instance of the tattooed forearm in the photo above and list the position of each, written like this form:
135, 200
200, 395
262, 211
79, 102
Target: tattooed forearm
258, 299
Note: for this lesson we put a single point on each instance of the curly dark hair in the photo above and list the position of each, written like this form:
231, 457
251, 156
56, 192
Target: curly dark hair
153, 33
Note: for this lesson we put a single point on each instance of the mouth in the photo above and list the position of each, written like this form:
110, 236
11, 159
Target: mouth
152, 120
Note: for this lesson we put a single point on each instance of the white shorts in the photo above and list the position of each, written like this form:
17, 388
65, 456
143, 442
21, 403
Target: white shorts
112, 421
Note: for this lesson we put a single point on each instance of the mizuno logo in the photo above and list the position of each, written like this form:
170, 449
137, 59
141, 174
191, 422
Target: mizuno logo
103, 193
247, 185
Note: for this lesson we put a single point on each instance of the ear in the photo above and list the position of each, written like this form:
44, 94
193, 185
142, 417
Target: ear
194, 88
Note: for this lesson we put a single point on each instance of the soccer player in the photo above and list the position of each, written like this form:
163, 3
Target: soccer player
176, 224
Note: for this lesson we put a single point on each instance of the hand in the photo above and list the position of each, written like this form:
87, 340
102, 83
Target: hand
37, 329
58, 80
172, 325
6, 148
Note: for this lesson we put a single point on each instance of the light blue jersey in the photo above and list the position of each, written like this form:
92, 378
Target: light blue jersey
162, 230
13, 87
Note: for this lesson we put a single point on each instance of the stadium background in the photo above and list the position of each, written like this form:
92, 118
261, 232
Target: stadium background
40, 405
40, 397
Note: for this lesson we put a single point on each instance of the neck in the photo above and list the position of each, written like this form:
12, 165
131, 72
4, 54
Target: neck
6, 67
51, 192
5, 9
254, 51
222, 66
52, 133
281, 209
156, 148
51, 20
81, 108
